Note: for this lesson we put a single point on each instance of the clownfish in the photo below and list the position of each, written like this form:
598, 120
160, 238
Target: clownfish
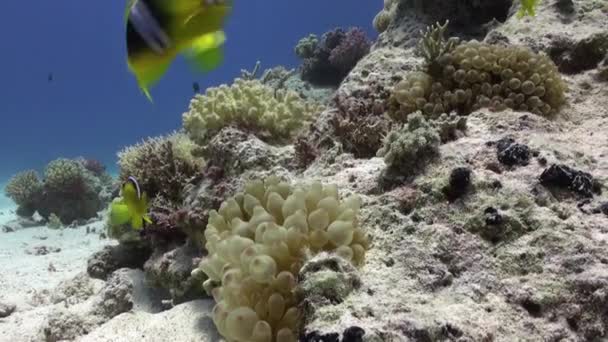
133, 207
158, 30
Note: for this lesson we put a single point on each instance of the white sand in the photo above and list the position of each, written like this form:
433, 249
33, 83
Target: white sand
27, 279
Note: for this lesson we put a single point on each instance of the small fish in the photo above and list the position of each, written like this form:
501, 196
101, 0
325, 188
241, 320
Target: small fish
132, 208
196, 87
50, 77
528, 7
158, 30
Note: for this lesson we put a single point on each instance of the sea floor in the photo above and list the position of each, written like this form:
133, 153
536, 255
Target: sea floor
33, 261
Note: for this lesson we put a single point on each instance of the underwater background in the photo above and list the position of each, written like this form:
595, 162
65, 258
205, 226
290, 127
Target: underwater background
352, 171
93, 107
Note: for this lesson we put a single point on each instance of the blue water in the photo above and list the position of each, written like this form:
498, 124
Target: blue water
93, 107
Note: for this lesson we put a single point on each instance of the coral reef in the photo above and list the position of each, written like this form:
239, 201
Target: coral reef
95, 166
328, 60
68, 190
257, 243
25, 189
408, 148
162, 166
483, 221
472, 75
271, 114
384, 17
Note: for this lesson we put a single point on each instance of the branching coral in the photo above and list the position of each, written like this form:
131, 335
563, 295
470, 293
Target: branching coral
162, 165
94, 165
407, 148
25, 189
65, 176
70, 191
327, 61
360, 123
258, 241
474, 75
274, 115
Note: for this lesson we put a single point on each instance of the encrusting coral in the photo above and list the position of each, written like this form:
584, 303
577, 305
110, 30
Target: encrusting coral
467, 76
272, 114
257, 242
410, 146
328, 60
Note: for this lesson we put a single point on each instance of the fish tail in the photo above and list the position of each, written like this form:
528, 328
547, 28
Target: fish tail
206, 53
146, 92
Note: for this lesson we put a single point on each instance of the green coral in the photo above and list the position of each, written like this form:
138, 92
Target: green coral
473, 75
162, 165
273, 114
433, 45
24, 188
410, 146
306, 46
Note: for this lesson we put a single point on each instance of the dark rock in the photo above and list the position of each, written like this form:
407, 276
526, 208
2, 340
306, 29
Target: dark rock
565, 6
111, 258
317, 337
353, 334
492, 216
6, 309
7, 229
511, 153
604, 208
460, 180
42, 250
573, 57
562, 176
601, 209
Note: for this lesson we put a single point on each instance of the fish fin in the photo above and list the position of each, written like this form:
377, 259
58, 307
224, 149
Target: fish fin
147, 219
146, 92
137, 222
130, 4
206, 53
148, 74
119, 213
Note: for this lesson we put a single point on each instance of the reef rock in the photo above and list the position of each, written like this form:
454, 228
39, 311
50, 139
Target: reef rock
6, 309
113, 257
508, 258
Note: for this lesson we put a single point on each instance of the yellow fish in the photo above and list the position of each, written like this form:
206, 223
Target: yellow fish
158, 30
132, 208
528, 7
